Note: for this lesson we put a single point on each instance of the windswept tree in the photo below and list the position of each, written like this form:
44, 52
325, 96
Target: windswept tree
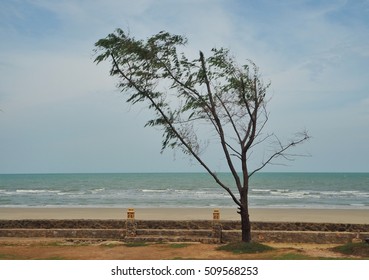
189, 96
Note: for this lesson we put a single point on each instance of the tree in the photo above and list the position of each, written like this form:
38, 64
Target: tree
189, 95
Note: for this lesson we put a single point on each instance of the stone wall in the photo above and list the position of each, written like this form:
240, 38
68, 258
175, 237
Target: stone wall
114, 234
228, 231
62, 224
194, 224
294, 236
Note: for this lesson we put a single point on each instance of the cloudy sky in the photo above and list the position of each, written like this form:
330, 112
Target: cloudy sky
62, 113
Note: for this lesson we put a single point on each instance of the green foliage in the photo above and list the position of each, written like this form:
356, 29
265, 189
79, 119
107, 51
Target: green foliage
10, 257
181, 91
179, 245
293, 256
136, 244
197, 100
245, 248
111, 245
353, 249
53, 244
54, 258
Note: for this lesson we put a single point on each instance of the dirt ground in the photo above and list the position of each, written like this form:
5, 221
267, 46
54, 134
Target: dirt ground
61, 249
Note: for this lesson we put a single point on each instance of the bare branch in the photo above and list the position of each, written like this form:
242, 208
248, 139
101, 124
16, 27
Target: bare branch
230, 118
234, 150
281, 152
262, 140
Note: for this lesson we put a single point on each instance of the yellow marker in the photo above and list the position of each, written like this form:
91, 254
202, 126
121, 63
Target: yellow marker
216, 214
131, 214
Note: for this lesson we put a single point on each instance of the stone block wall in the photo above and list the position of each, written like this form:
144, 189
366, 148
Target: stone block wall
194, 224
113, 234
294, 236
228, 230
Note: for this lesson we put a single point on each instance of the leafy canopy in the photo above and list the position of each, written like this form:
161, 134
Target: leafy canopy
187, 94
212, 90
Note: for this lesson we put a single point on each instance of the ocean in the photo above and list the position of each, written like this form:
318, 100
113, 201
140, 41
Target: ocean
267, 190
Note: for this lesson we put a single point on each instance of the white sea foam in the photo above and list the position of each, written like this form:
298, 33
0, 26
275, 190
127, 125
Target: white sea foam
36, 191
154, 191
182, 190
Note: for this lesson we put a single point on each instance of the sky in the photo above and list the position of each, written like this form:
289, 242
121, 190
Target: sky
61, 113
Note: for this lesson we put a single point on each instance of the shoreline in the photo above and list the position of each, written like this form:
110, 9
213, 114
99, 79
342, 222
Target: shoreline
351, 216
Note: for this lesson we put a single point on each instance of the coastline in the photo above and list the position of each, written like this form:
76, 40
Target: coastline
351, 216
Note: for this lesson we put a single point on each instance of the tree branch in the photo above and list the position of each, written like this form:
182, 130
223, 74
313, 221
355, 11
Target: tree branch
281, 152
230, 118
179, 137
219, 125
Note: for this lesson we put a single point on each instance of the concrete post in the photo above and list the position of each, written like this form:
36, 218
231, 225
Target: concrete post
131, 225
216, 215
217, 227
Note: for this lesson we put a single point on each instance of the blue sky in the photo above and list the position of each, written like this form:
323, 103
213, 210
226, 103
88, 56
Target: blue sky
62, 113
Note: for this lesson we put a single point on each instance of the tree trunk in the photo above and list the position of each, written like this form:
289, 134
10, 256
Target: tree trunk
245, 224
244, 210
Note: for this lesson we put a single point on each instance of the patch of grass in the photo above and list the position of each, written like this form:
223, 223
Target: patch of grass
52, 244
185, 259
179, 245
136, 244
62, 244
298, 256
54, 258
110, 245
353, 249
5, 244
245, 248
293, 256
8, 257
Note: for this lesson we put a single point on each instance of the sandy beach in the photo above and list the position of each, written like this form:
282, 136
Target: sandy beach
354, 216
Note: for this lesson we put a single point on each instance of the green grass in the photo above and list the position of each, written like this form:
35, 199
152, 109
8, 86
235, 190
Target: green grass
112, 245
51, 244
136, 244
184, 259
9, 257
62, 244
353, 249
179, 245
292, 256
53, 258
245, 248
298, 256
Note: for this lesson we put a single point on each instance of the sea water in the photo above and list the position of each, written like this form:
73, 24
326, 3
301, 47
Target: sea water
267, 190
